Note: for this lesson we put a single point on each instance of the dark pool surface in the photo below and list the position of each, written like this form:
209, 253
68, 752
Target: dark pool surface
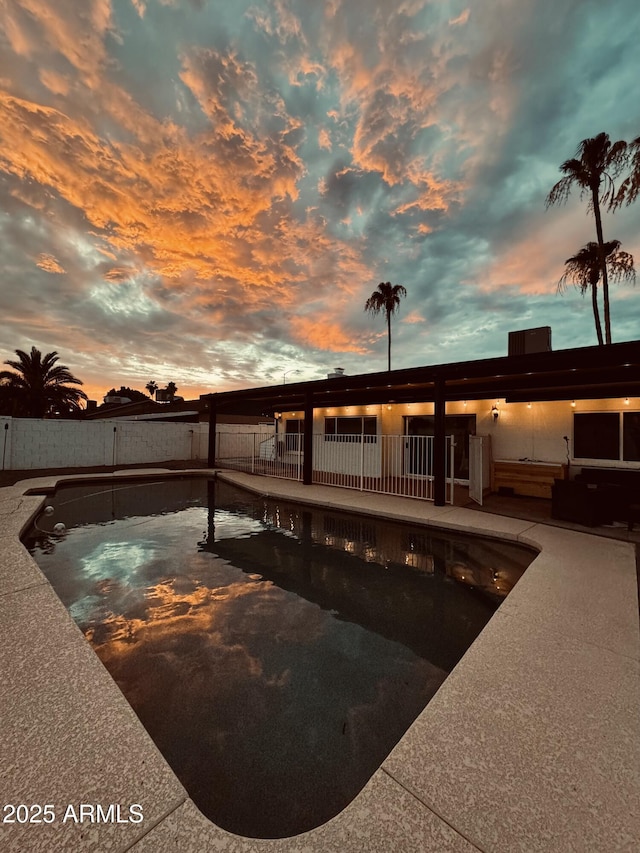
275, 653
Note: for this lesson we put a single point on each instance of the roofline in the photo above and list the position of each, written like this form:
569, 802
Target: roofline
582, 372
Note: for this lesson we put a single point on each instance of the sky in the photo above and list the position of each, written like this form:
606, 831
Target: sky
207, 192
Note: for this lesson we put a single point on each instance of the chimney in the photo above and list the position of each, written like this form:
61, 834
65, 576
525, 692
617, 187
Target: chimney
337, 371
530, 341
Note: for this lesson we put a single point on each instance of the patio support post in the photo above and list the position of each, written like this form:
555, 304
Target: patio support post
211, 458
307, 445
439, 446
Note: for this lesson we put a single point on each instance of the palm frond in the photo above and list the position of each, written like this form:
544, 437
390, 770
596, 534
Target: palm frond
584, 271
630, 187
560, 192
375, 303
621, 267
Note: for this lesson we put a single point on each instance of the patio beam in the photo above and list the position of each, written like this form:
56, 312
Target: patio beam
439, 445
307, 441
211, 452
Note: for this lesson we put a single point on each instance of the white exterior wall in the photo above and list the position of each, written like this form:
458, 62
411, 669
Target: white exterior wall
537, 433
32, 443
520, 432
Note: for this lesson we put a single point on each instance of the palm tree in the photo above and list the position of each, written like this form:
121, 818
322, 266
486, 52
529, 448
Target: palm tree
386, 298
152, 387
171, 390
38, 387
593, 169
583, 270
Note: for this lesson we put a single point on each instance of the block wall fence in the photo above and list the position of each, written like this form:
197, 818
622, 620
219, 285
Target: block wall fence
27, 443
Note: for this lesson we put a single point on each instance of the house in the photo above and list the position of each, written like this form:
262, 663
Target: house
189, 411
537, 413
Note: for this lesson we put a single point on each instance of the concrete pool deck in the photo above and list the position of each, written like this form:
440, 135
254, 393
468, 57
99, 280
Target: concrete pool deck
531, 744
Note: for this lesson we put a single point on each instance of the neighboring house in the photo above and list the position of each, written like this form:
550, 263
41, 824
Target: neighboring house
189, 411
185, 411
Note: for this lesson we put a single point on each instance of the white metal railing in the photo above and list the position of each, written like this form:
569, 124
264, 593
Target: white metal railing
388, 464
276, 456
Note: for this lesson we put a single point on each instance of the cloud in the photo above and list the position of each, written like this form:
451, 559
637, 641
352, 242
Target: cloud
230, 208
49, 264
324, 333
413, 317
462, 18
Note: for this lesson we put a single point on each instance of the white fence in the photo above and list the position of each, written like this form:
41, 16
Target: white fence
389, 464
27, 443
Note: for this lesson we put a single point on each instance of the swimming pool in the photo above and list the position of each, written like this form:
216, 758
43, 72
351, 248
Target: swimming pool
275, 653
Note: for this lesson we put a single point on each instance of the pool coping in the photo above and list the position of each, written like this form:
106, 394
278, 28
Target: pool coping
532, 743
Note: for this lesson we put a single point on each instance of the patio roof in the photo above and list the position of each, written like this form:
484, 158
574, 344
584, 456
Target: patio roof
574, 374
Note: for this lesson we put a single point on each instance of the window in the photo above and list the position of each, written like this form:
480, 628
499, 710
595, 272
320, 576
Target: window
351, 429
607, 435
631, 436
596, 435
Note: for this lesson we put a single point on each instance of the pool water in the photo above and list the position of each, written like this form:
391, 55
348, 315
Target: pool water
275, 653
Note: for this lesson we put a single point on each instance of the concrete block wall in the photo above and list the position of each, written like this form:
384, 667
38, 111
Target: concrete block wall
27, 443
241, 440
200, 441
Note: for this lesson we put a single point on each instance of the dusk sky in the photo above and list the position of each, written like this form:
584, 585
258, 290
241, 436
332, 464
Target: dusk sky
207, 191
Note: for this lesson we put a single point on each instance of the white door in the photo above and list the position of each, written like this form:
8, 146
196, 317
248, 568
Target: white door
475, 468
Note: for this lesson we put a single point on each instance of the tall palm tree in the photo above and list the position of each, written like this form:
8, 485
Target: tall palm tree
386, 298
38, 385
583, 269
596, 164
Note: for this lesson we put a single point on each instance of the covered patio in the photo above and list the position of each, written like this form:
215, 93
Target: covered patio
585, 373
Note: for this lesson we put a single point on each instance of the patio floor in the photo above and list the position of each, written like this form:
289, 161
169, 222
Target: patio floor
532, 743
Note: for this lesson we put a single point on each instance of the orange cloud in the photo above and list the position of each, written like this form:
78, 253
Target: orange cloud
324, 140
396, 98
325, 334
49, 264
181, 209
76, 31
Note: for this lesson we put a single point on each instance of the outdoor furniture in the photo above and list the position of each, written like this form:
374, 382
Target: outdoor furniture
581, 503
598, 496
624, 485
525, 477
